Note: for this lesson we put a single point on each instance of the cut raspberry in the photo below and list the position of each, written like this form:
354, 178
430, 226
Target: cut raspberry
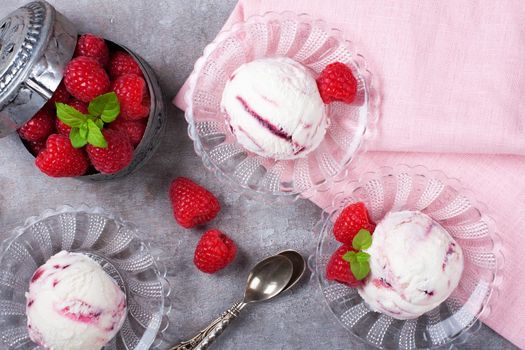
39, 127
214, 251
122, 63
90, 45
85, 79
337, 83
133, 96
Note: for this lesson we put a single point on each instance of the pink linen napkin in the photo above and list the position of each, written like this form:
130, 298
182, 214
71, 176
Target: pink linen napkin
452, 80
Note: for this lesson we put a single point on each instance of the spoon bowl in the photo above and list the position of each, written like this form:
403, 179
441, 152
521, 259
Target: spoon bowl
268, 278
299, 267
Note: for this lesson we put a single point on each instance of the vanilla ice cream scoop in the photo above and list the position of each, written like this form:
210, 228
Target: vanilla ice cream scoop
274, 108
414, 265
73, 304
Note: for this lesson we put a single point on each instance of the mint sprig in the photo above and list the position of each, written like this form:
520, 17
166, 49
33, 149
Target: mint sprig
86, 128
358, 259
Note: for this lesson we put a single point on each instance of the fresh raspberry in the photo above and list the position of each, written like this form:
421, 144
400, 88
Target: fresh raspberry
214, 251
85, 79
133, 96
61, 95
93, 46
36, 146
113, 158
39, 127
337, 83
122, 63
193, 205
352, 219
339, 270
61, 159
64, 129
133, 128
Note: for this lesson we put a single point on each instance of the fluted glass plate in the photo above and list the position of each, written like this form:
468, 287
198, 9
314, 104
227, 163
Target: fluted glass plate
114, 244
310, 42
446, 201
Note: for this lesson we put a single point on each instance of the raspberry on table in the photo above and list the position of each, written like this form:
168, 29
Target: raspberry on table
339, 270
214, 251
39, 127
192, 204
61, 159
352, 219
85, 78
113, 158
122, 63
133, 128
132, 93
337, 83
90, 45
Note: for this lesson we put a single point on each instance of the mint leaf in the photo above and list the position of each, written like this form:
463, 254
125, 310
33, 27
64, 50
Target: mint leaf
94, 136
360, 270
362, 257
99, 123
76, 139
363, 240
106, 106
83, 130
349, 256
70, 116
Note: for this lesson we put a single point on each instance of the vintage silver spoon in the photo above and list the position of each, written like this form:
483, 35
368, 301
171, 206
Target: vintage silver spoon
299, 267
266, 280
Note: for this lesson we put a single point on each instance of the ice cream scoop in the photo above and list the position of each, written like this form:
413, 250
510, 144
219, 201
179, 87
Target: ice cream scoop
73, 304
274, 108
414, 265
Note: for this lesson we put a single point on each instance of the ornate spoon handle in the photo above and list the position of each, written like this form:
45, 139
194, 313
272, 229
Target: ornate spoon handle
205, 337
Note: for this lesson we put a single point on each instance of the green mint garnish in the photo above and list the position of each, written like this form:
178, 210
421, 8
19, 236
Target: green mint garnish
363, 240
360, 269
106, 106
86, 128
358, 259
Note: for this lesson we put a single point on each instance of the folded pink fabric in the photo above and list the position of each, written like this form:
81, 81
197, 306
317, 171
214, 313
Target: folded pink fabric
452, 80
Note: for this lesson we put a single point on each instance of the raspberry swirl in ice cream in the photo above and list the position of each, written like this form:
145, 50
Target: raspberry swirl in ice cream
73, 304
414, 265
274, 108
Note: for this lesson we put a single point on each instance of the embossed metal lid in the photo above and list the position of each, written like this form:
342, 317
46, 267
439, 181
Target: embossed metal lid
36, 43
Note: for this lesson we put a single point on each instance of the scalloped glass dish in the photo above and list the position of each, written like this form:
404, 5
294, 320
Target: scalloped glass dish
448, 203
310, 42
111, 242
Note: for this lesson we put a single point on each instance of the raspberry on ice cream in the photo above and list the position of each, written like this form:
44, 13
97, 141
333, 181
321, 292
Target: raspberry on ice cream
73, 304
274, 108
414, 265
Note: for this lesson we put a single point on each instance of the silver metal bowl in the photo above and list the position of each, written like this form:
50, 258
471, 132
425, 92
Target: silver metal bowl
36, 44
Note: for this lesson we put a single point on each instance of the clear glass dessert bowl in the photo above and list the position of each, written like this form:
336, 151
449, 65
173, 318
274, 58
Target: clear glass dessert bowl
107, 239
313, 44
447, 202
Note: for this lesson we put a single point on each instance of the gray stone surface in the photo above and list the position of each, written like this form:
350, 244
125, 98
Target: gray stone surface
171, 35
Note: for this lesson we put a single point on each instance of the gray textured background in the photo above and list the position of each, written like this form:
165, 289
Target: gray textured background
170, 35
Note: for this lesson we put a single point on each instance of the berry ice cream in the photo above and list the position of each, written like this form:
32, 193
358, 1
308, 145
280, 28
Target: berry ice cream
414, 265
274, 108
73, 304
